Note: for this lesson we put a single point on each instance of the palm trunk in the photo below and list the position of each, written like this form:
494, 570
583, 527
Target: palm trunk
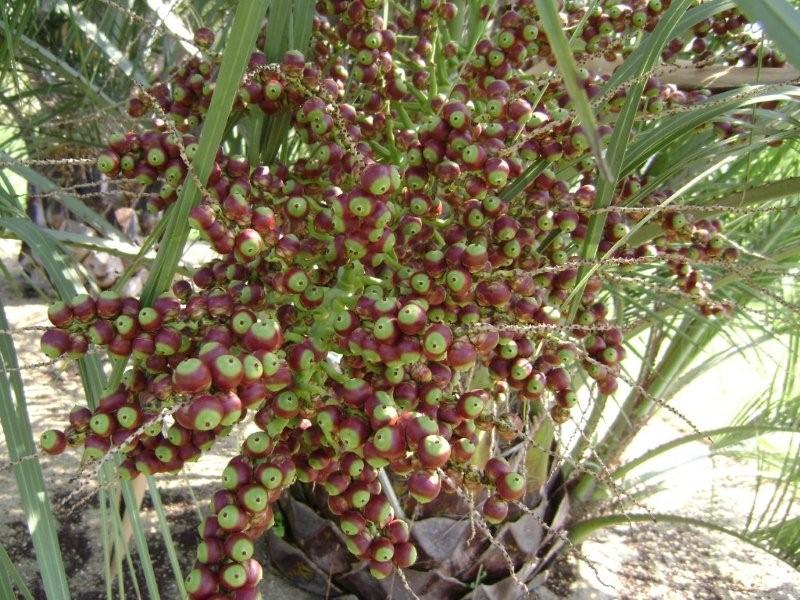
453, 560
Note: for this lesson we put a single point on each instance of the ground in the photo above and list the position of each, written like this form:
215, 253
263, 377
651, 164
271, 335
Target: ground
634, 562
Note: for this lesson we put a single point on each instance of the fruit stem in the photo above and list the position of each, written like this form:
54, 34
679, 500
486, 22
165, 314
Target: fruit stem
391, 496
332, 372
391, 260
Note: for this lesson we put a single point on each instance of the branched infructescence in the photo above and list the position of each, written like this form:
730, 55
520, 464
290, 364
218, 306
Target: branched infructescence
364, 282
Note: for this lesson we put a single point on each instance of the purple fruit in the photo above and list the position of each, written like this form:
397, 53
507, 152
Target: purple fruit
53, 441
239, 547
205, 412
495, 510
227, 372
433, 451
405, 555
263, 335
378, 510
55, 343
191, 376
424, 486
201, 582
390, 442
510, 486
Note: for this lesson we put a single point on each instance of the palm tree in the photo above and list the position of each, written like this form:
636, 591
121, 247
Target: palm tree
710, 145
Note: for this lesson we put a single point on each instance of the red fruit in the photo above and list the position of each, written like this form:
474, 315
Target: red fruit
252, 394
352, 523
143, 345
373, 458
352, 464
437, 340
103, 424
239, 547
390, 442
168, 341
245, 593
232, 408
150, 319
55, 343
253, 497
201, 583
209, 528
380, 570
127, 470
205, 413
269, 475
300, 357
227, 372
492, 293
210, 551
286, 405
254, 573
433, 452
405, 555
379, 511
221, 499
607, 386
463, 449
471, 404
321, 458
338, 505
353, 432
495, 510
378, 179
210, 351
329, 418
84, 308
511, 486
101, 332
203, 37
381, 549
336, 483
167, 306
280, 379
120, 347
191, 376
441, 375
558, 379
380, 414
237, 473
424, 486
358, 494
461, 356
253, 368
111, 403
397, 531
53, 441
418, 428
147, 463
264, 335
496, 468
60, 314
95, 447
232, 518
358, 544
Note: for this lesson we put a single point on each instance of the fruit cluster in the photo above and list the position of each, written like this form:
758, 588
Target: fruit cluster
421, 237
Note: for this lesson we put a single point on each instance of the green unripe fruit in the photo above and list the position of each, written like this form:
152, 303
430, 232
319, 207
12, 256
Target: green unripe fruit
255, 498
233, 576
231, 518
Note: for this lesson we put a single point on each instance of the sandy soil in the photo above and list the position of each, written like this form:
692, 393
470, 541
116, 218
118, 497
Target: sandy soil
645, 561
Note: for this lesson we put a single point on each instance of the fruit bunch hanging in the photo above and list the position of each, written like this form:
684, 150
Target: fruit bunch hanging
422, 235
